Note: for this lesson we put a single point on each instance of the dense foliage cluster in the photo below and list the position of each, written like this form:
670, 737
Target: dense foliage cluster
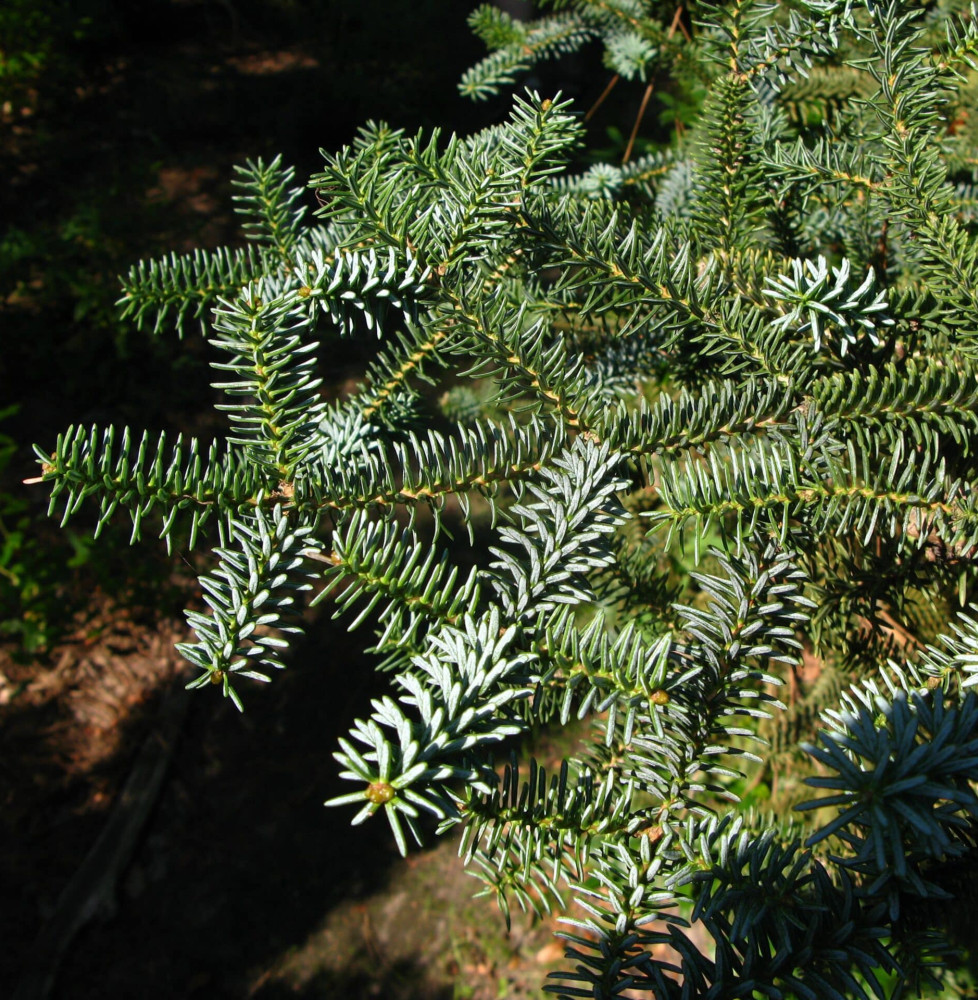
713, 409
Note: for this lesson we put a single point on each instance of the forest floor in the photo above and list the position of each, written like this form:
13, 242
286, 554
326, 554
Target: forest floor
241, 884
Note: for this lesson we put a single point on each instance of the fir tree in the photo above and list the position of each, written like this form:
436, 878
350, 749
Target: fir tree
720, 403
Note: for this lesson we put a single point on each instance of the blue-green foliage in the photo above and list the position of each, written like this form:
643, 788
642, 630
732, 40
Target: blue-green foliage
715, 408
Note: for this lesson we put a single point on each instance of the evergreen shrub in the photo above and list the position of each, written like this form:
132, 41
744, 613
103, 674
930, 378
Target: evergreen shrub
718, 406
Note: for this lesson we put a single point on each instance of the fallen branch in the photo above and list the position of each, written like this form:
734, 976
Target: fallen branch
94, 885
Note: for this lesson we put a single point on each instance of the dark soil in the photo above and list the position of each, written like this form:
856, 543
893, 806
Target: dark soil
242, 884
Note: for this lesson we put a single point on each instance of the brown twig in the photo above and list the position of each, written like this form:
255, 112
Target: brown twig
677, 22
638, 121
604, 93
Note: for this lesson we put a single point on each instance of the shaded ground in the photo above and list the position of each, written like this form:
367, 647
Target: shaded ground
243, 884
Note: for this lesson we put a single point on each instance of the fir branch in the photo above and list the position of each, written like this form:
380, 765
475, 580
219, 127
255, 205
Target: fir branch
461, 691
427, 469
901, 767
955, 660
729, 177
173, 288
912, 94
612, 951
560, 534
270, 203
933, 402
421, 588
749, 626
525, 43
143, 477
390, 372
529, 836
778, 921
562, 520
589, 671
716, 412
359, 287
807, 293
817, 491
265, 337
523, 355
685, 331
250, 594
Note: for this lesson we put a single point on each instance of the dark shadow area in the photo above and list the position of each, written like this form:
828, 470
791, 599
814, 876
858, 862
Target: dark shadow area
400, 982
241, 859
67, 744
